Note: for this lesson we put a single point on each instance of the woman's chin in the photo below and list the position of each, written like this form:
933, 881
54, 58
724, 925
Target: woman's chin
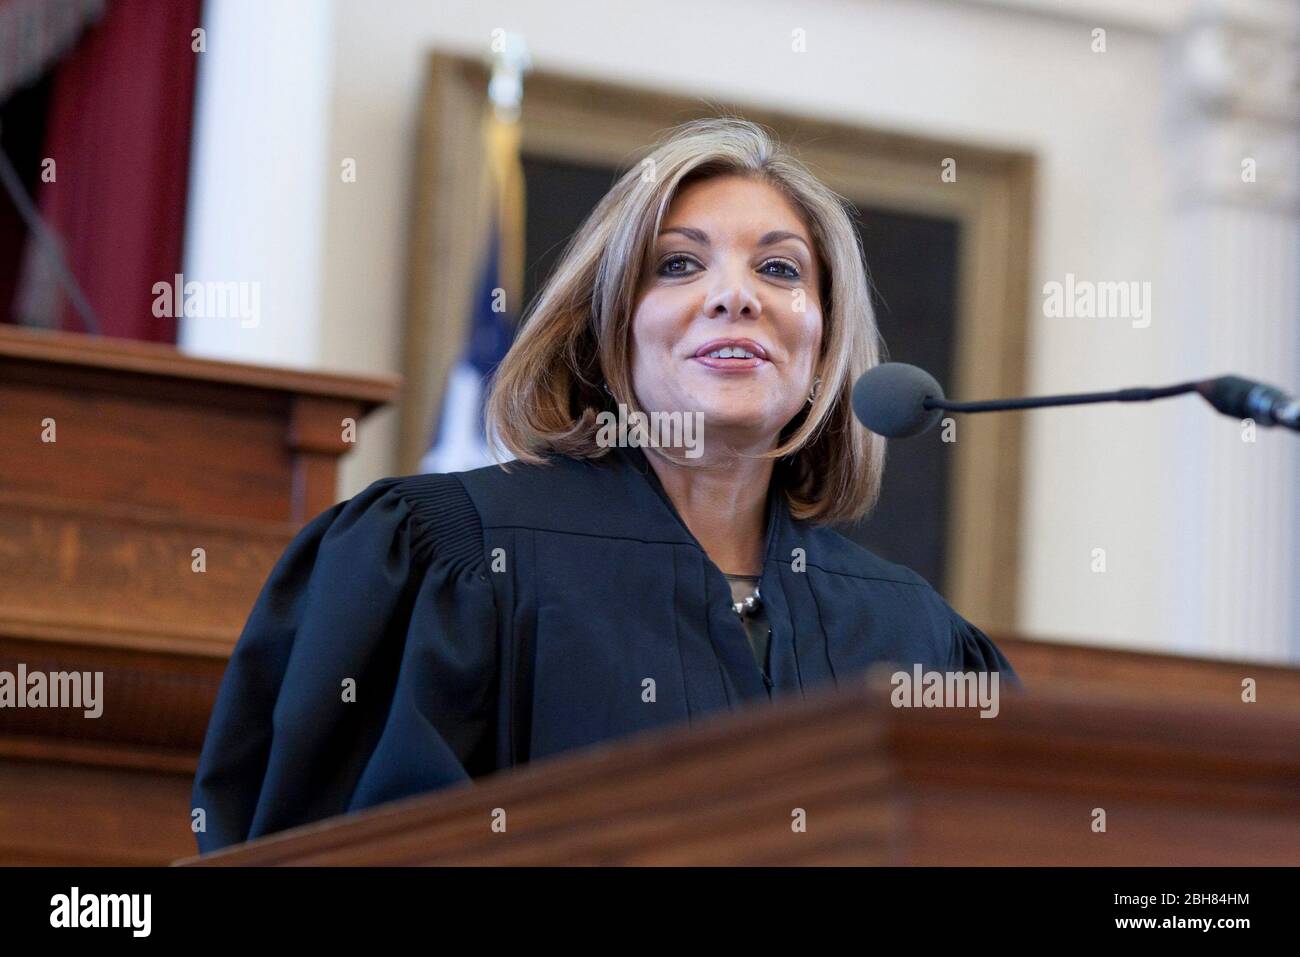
746, 424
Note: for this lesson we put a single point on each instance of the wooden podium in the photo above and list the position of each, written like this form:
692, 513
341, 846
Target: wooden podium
1179, 785
144, 497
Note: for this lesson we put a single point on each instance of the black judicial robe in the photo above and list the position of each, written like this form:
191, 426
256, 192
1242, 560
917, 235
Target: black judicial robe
482, 619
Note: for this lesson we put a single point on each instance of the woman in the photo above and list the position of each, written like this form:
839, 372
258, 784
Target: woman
439, 627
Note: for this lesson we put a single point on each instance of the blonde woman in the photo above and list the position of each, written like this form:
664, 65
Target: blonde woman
599, 583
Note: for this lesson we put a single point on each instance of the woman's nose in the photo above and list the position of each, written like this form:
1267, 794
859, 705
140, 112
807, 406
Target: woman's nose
734, 297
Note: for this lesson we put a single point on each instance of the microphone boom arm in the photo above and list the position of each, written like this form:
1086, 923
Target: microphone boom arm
1136, 394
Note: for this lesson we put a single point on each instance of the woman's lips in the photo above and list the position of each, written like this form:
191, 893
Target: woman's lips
730, 365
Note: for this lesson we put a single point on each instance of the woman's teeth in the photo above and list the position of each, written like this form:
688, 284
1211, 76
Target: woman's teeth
727, 352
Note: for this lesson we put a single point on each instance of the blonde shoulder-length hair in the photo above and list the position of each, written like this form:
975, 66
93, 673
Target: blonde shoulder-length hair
549, 389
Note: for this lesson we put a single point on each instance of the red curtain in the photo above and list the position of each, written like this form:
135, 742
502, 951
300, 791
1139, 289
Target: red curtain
118, 130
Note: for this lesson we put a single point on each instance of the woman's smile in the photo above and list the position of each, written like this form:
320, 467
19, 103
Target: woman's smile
732, 355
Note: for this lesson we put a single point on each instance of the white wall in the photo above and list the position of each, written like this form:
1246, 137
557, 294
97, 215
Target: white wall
983, 71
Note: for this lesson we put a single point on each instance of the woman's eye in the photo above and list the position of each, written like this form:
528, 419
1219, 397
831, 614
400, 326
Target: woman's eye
786, 269
676, 266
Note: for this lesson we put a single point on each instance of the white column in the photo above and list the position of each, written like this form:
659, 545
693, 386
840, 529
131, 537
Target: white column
1235, 578
257, 176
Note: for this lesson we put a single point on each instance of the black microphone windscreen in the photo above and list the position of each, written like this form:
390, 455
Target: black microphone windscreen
888, 400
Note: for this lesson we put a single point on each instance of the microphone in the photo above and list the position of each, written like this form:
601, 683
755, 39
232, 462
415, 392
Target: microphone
897, 400
890, 400
1246, 399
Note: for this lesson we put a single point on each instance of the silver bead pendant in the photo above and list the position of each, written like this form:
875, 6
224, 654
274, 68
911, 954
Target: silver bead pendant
749, 606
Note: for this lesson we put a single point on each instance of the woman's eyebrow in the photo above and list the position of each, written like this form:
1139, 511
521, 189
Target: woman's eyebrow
767, 239
777, 235
690, 232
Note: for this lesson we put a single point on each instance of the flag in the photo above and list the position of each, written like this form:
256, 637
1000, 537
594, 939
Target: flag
460, 437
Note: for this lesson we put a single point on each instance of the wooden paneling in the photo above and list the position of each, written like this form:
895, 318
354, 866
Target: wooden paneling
138, 423
156, 455
126, 569
75, 813
1147, 677
1181, 784
151, 698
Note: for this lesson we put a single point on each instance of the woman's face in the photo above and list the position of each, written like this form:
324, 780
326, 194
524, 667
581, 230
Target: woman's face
733, 264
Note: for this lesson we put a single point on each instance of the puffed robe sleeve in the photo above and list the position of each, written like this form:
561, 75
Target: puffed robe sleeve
365, 672
972, 650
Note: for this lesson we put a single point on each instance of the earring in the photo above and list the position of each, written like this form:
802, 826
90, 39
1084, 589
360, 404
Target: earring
812, 396
605, 386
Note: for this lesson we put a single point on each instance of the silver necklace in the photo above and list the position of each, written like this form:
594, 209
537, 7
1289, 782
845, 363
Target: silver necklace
750, 605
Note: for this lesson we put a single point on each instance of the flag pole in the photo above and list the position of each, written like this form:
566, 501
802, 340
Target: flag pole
502, 132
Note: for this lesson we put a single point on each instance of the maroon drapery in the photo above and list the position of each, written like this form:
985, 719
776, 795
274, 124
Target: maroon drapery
118, 130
